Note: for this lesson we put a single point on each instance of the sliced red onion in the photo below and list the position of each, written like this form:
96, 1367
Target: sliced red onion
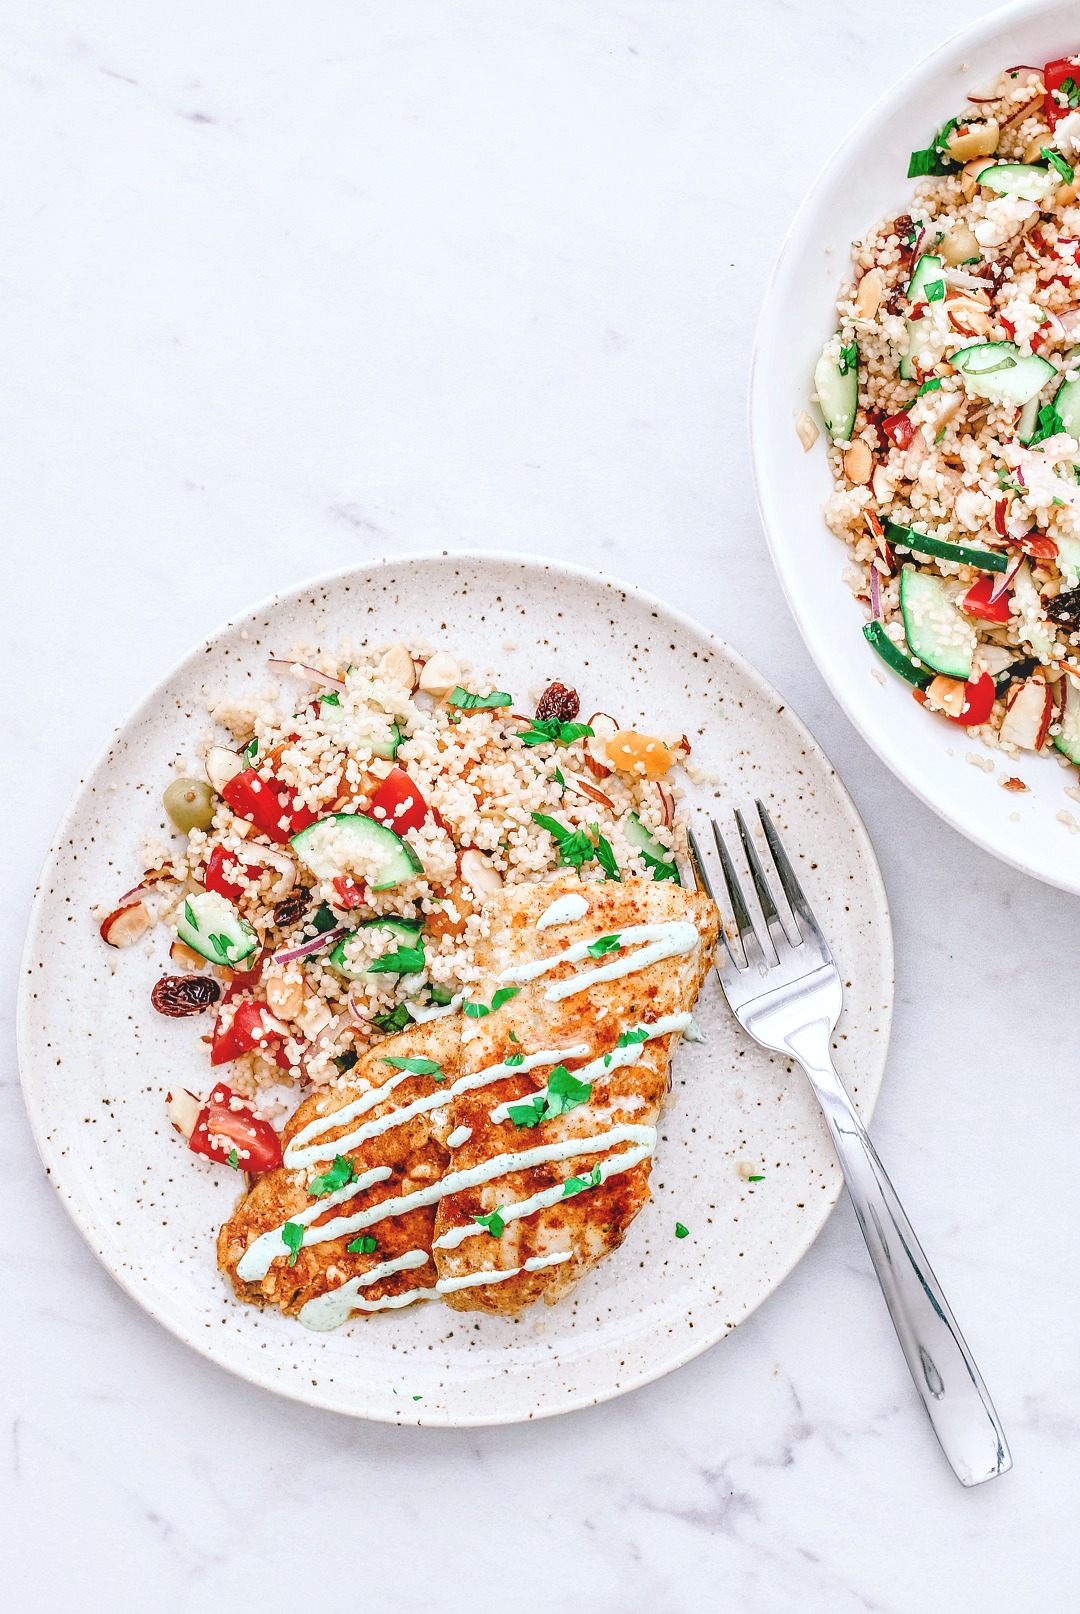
282, 664
314, 944
1019, 474
667, 804
359, 1012
132, 895
1005, 578
875, 594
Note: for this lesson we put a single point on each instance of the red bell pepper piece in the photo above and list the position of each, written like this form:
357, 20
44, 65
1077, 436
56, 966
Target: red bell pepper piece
398, 804
979, 699
977, 602
221, 874
898, 429
349, 893
248, 1028
228, 1126
272, 807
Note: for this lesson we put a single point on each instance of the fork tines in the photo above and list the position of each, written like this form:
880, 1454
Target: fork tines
784, 932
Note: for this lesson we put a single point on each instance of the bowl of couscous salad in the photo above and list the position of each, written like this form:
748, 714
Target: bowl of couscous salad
918, 450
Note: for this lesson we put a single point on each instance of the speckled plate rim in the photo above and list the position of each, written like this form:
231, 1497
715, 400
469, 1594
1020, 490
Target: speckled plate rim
197, 1338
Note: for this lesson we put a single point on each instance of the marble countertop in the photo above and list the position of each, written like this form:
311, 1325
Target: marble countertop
288, 286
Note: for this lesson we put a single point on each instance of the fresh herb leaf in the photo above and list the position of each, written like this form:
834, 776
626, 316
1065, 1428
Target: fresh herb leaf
1048, 424
441, 996
402, 961
529, 1112
553, 733
250, 752
606, 859
560, 781
341, 1172
628, 1038
661, 868
514, 1060
1070, 90
576, 1185
189, 915
493, 1222
322, 919
929, 386
564, 1092
759, 1178
940, 435
478, 703
417, 1067
475, 1011
928, 161
345, 1061
1056, 160
935, 290
503, 995
333, 699
604, 944
849, 358
514, 1036
681, 1232
234, 1160
367, 1244
292, 1236
575, 847
395, 1019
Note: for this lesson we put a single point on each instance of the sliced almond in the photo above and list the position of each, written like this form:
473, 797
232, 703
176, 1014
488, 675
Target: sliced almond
221, 765
859, 462
125, 925
398, 667
871, 291
969, 179
186, 957
479, 873
585, 787
806, 430
183, 1108
603, 727
946, 695
440, 675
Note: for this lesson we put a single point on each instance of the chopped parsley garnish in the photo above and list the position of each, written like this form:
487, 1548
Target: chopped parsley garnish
367, 1244
553, 733
475, 1011
577, 1185
402, 961
189, 915
251, 751
1048, 424
849, 358
440, 995
333, 699
759, 1178
417, 1067
1056, 160
234, 1160
341, 1172
929, 386
929, 161
940, 435
345, 1061
493, 1222
662, 869
627, 1040
503, 995
394, 1019
604, 944
323, 919
575, 846
514, 1060
564, 1092
606, 857
478, 703
681, 1232
560, 781
514, 1036
935, 290
292, 1236
1070, 90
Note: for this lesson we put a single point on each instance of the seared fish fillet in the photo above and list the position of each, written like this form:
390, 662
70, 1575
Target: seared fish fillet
400, 1156
581, 1055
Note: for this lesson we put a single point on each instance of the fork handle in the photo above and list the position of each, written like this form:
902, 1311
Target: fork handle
945, 1374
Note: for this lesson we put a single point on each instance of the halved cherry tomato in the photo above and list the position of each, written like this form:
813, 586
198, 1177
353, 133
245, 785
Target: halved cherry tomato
977, 602
978, 702
271, 806
1054, 76
349, 893
227, 1125
898, 429
397, 803
221, 866
248, 1028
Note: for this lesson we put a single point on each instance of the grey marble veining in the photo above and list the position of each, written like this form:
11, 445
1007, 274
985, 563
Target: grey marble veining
286, 286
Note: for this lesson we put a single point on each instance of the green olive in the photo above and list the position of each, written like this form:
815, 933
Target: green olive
190, 804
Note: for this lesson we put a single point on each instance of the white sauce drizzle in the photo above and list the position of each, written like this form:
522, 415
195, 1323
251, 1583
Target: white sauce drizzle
597, 1069
472, 1280
332, 1309
460, 1135
563, 911
675, 937
423, 1015
254, 1264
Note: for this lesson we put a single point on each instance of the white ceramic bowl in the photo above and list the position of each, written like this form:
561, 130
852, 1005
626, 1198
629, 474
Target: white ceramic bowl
862, 182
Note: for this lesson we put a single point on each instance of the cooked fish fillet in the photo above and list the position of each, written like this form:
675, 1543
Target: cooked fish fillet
593, 1028
405, 1155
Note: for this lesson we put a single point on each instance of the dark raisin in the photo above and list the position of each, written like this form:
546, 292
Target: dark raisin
177, 995
293, 908
558, 705
1064, 608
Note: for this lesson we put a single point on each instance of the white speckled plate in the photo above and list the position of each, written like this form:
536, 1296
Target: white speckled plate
96, 1059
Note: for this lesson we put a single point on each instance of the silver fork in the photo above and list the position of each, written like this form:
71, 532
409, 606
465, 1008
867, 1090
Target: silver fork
786, 993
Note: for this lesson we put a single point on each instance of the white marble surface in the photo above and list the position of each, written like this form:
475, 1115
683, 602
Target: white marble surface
289, 285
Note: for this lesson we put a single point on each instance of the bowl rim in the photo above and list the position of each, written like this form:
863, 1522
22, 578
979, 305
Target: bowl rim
895, 757
195, 1337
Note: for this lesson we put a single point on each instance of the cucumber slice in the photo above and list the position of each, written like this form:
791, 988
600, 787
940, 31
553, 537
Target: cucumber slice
1000, 372
1028, 424
385, 746
402, 933
927, 270
836, 382
211, 926
892, 655
1068, 560
656, 857
324, 847
1031, 624
905, 538
938, 634
1068, 741
1026, 181
1067, 404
